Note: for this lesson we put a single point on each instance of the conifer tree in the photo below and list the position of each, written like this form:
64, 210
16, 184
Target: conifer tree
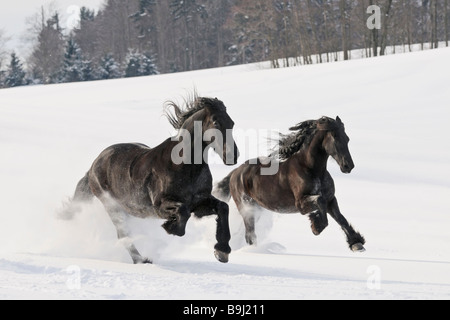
133, 64
138, 64
108, 68
148, 65
87, 71
75, 67
15, 75
71, 71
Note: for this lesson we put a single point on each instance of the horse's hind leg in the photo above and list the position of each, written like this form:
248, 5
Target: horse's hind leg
119, 217
83, 194
247, 208
249, 222
354, 239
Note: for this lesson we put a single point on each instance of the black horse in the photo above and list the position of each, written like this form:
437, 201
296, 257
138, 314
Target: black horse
170, 181
302, 182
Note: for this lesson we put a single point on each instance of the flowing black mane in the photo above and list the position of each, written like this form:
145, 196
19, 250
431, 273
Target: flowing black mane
193, 104
290, 144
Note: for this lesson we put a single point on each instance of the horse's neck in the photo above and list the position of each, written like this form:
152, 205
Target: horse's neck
194, 132
313, 156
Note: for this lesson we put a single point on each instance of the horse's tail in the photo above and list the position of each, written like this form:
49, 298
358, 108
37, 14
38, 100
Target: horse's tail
222, 189
83, 194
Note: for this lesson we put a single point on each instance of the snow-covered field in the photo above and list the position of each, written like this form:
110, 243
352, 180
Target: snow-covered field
396, 111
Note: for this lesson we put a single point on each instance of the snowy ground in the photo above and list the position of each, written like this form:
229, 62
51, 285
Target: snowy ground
396, 111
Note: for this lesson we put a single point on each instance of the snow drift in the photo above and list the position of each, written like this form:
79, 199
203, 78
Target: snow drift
395, 109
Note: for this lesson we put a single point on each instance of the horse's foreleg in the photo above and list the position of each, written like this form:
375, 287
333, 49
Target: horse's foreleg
177, 215
354, 239
119, 217
315, 207
213, 206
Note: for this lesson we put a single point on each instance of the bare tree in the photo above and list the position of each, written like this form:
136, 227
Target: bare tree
250, 25
434, 43
385, 28
194, 34
47, 55
86, 35
407, 21
315, 22
3, 49
375, 37
345, 32
116, 32
304, 40
446, 26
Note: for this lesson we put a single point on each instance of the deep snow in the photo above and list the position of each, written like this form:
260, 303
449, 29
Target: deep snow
395, 108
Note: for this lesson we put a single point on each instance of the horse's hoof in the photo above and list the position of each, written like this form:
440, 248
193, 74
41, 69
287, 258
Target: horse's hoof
251, 240
221, 256
317, 225
358, 247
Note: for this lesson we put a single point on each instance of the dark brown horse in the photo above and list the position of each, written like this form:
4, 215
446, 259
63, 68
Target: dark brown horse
302, 182
170, 181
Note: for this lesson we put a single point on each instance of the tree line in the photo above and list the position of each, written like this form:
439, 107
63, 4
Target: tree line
128, 38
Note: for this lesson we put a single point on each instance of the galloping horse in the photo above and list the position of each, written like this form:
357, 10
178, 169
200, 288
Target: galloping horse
169, 181
302, 182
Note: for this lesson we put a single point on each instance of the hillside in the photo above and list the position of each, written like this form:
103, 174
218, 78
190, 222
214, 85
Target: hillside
395, 109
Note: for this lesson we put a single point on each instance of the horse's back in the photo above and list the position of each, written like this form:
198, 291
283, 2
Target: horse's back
120, 155
110, 172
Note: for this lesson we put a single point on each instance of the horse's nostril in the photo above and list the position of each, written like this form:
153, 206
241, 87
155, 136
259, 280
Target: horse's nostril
346, 168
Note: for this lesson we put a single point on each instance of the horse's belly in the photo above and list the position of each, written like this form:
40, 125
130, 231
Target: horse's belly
275, 199
279, 206
142, 211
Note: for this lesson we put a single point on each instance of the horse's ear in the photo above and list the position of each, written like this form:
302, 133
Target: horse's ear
338, 120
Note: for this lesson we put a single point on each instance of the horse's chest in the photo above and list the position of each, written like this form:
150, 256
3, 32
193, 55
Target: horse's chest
191, 186
323, 187
202, 183
316, 186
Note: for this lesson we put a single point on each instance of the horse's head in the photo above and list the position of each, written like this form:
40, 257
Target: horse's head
336, 142
218, 130
206, 123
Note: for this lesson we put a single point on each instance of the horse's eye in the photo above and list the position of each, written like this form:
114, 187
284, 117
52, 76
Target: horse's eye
216, 124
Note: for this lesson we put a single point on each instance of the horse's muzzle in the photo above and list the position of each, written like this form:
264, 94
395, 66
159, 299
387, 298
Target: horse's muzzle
347, 167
